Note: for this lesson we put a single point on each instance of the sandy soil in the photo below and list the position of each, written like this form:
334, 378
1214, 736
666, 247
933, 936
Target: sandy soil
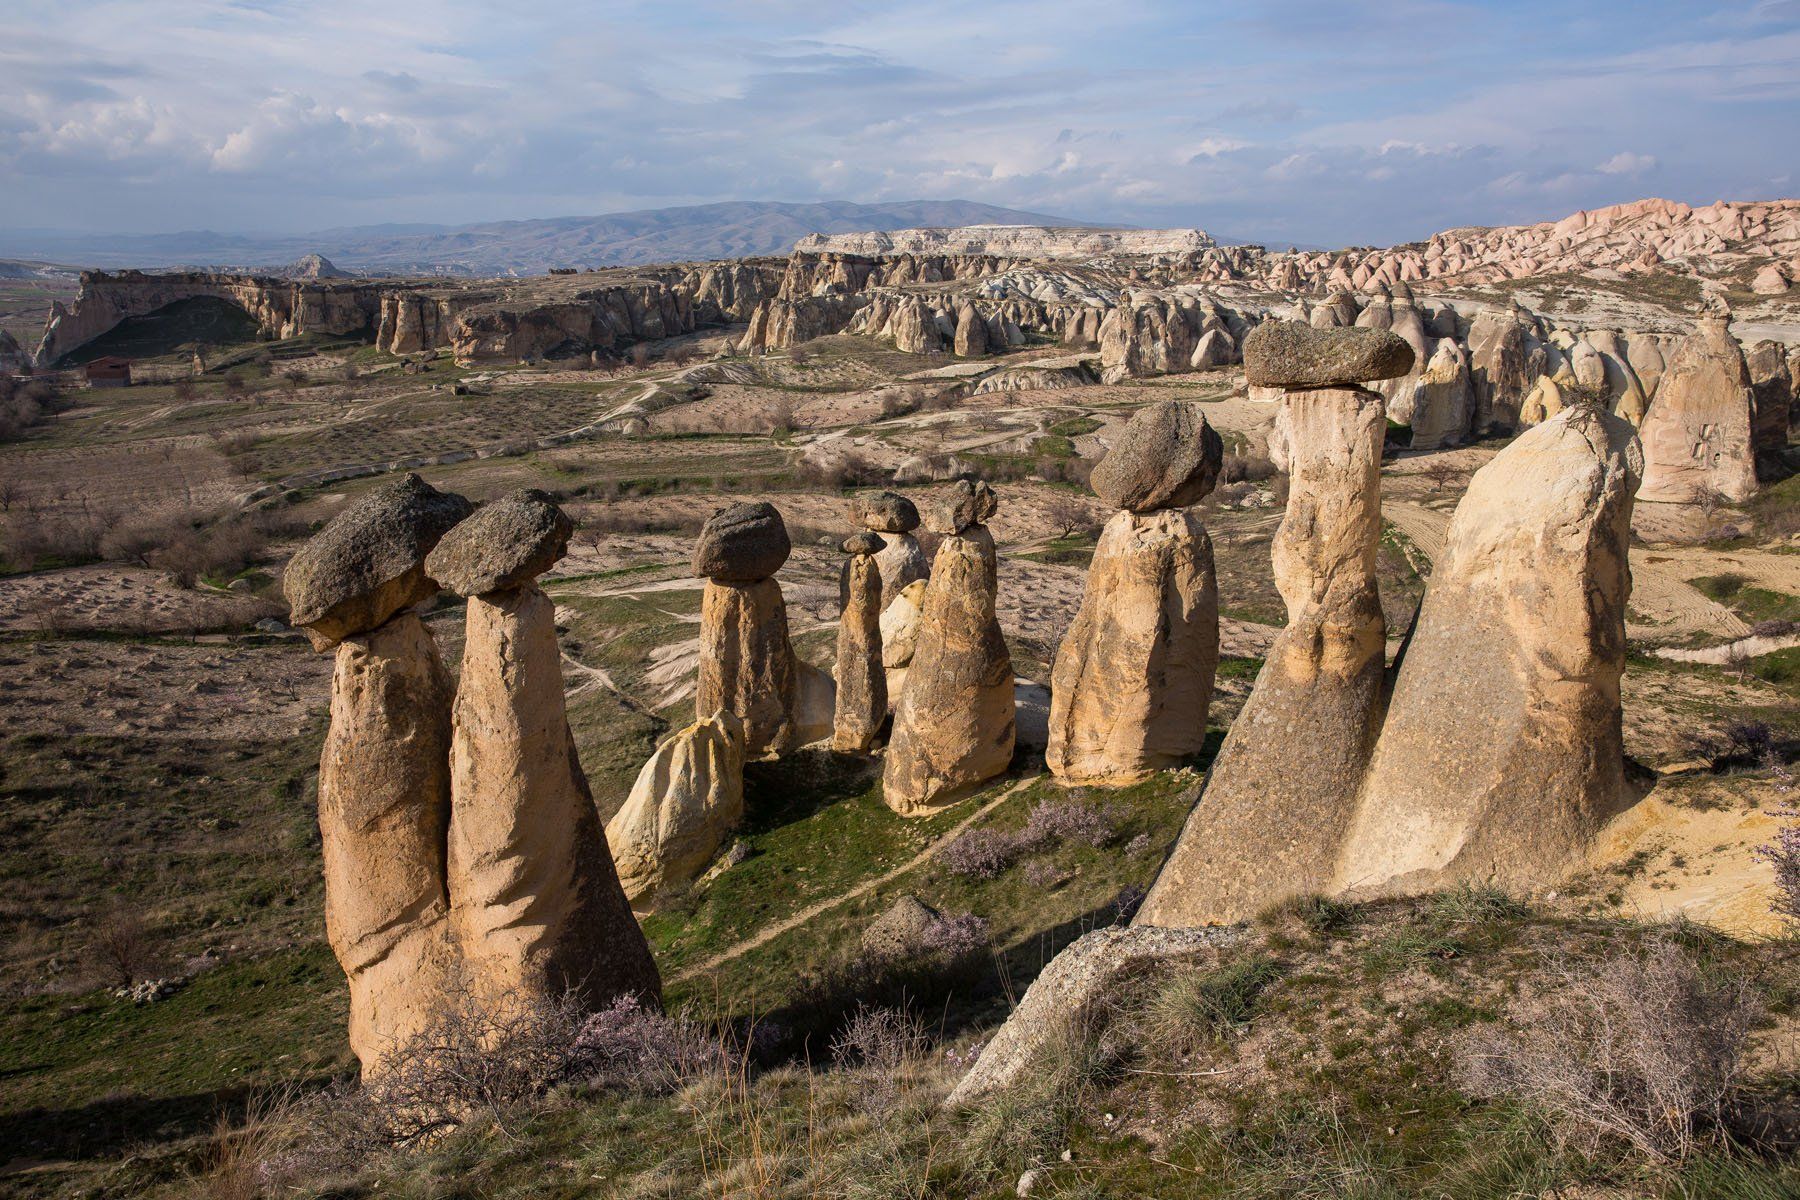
109, 597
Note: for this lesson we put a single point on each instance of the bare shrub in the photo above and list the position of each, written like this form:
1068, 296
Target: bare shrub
980, 853
122, 949
1066, 821
1071, 517
1441, 474
781, 419
24, 403
293, 377
184, 390
1245, 468
629, 1047
639, 355
1783, 855
1638, 1048
882, 1039
990, 853
1774, 628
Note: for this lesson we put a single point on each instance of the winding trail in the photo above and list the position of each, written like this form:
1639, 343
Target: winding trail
764, 936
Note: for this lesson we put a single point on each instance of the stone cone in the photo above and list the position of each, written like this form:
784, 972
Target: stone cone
687, 798
1134, 676
535, 901
1501, 753
384, 805
1283, 789
1697, 435
953, 727
747, 663
861, 682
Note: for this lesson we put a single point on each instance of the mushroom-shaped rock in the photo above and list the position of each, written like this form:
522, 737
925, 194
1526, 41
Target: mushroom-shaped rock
886, 512
1288, 354
687, 798
742, 544
1167, 456
506, 544
368, 563
968, 502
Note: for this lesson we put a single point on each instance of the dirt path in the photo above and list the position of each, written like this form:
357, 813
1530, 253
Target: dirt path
1424, 527
765, 936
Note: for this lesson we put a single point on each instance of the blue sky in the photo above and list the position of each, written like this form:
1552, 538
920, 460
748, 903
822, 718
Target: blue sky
1331, 123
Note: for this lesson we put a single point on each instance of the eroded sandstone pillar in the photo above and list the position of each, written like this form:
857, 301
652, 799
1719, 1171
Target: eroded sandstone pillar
901, 560
1283, 788
953, 727
1133, 677
1501, 753
1697, 436
684, 803
747, 664
534, 899
861, 681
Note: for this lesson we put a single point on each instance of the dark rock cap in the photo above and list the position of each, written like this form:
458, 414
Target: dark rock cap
1167, 456
742, 544
368, 563
507, 543
865, 542
1289, 354
886, 512
969, 502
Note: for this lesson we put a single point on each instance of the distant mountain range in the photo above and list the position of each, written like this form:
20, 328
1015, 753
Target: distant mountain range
736, 229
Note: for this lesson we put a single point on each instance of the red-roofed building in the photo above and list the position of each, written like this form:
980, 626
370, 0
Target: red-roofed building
108, 372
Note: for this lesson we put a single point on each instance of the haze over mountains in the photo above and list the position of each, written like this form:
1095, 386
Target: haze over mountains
709, 231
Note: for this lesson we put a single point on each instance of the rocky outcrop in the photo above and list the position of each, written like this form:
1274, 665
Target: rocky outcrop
1501, 754
1697, 434
747, 664
862, 700
900, 559
1506, 355
384, 808
1771, 396
954, 725
1012, 241
1283, 788
1133, 677
1441, 411
686, 800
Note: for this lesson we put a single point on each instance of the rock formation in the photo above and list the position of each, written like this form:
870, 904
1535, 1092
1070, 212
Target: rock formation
534, 898
1284, 785
862, 701
384, 785
1501, 755
1771, 395
747, 664
1134, 675
1442, 407
894, 517
1697, 434
953, 725
686, 800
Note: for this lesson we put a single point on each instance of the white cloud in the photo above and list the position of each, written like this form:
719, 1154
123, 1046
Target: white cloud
1627, 163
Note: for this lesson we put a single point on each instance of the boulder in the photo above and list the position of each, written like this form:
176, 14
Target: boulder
384, 806
815, 704
744, 543
687, 799
1133, 678
506, 543
1697, 434
1287, 354
1283, 788
900, 624
1075, 992
1501, 754
885, 512
747, 665
966, 503
1167, 456
534, 898
861, 701
953, 725
368, 563
899, 933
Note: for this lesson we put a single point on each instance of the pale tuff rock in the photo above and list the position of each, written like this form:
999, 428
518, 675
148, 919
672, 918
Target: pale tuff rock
384, 806
1167, 456
505, 544
1214, 349
953, 725
686, 800
1544, 401
1771, 395
747, 664
1283, 787
900, 624
534, 898
971, 339
1771, 280
862, 701
815, 704
902, 563
1075, 992
1501, 753
900, 560
1443, 400
1290, 355
1015, 241
368, 563
1697, 436
967, 503
1134, 676
742, 544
